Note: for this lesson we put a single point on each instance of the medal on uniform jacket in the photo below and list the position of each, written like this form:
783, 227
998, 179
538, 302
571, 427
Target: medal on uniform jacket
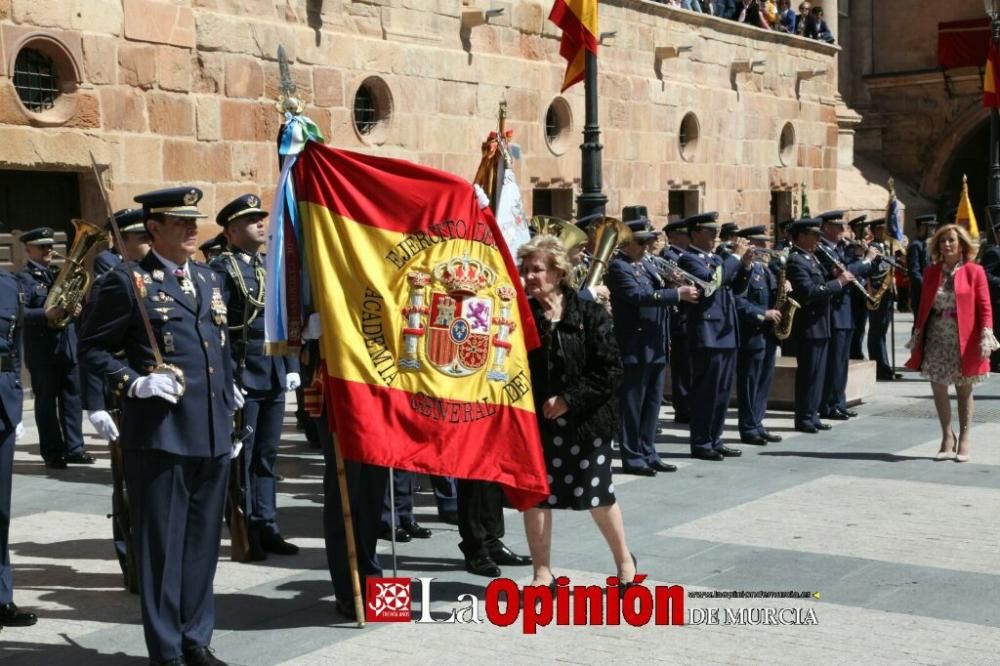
168, 342
158, 275
218, 307
140, 284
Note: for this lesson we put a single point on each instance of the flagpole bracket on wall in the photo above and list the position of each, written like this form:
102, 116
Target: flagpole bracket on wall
477, 17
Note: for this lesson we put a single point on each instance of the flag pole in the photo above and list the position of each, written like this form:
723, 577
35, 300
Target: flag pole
592, 199
392, 517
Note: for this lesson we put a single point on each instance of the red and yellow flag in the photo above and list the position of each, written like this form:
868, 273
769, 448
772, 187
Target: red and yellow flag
425, 326
965, 216
578, 21
991, 80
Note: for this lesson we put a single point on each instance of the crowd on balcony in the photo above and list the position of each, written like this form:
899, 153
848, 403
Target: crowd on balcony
807, 22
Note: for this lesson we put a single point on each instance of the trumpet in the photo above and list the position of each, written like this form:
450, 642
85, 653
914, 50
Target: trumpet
669, 270
768, 253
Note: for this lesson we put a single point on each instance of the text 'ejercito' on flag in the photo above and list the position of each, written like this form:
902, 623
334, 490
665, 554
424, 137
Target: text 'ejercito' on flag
578, 21
425, 326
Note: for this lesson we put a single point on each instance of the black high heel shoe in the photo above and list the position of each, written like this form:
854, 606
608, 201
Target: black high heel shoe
635, 565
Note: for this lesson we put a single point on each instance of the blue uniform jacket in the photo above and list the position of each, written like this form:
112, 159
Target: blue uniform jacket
813, 291
104, 262
42, 343
640, 304
678, 314
916, 261
711, 322
11, 391
751, 305
190, 336
841, 310
262, 373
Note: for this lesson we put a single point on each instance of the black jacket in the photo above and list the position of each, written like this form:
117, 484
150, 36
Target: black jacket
592, 365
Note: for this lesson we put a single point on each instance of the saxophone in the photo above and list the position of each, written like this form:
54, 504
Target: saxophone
783, 302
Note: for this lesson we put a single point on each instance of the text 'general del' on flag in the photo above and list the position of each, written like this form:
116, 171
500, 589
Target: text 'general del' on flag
578, 21
425, 326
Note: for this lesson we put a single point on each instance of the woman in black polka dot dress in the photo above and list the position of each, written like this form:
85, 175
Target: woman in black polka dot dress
575, 375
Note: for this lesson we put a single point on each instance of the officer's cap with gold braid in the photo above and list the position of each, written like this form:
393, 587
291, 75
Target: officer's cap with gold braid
174, 201
130, 221
242, 206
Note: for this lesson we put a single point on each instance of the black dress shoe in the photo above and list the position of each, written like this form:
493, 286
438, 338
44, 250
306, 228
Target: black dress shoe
276, 544
176, 661
402, 536
257, 552
729, 452
345, 608
201, 656
702, 454
757, 440
823, 426
79, 458
482, 566
505, 556
661, 466
10, 616
683, 420
56, 463
639, 471
416, 531
849, 413
835, 416
806, 428
770, 437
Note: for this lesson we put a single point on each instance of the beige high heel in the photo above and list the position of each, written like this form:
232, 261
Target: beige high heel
948, 455
960, 458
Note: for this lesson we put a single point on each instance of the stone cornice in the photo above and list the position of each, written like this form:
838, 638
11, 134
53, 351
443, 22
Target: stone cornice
727, 26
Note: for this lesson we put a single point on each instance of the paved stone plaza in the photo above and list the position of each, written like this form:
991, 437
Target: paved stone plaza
902, 549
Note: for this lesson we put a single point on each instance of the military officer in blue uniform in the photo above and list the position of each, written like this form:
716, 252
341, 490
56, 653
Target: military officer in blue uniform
813, 290
990, 261
265, 379
133, 231
833, 404
917, 258
880, 319
857, 248
177, 420
712, 334
11, 400
727, 234
757, 347
50, 354
678, 241
640, 305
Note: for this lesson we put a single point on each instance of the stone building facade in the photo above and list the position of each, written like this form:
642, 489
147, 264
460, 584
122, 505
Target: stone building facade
697, 113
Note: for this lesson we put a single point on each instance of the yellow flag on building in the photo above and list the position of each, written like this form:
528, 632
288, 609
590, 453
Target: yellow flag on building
966, 217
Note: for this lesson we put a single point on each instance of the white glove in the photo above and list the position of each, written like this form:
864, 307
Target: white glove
238, 396
103, 424
292, 381
481, 197
18, 431
313, 330
158, 385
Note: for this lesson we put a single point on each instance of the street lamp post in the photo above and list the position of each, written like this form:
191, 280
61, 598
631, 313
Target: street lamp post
592, 199
993, 10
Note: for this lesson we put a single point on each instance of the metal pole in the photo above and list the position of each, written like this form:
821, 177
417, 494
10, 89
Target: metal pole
591, 200
392, 517
994, 184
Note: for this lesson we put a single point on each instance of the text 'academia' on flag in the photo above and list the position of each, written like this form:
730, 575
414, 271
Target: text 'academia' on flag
578, 21
425, 325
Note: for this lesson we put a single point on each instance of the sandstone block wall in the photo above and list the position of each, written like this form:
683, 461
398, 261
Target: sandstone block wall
182, 91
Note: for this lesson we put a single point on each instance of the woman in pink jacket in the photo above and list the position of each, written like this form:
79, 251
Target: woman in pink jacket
953, 337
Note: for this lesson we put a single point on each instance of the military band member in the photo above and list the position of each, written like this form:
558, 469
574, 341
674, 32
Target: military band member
880, 319
11, 429
812, 289
129, 222
727, 233
712, 334
213, 247
990, 261
917, 258
833, 404
678, 242
177, 420
755, 358
265, 379
640, 305
856, 249
50, 354
784, 237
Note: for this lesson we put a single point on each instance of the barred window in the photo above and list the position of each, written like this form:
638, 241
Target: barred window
365, 113
35, 80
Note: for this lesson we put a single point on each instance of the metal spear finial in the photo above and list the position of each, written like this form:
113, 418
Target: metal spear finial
287, 101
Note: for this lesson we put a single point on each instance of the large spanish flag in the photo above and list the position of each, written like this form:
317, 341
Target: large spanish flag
425, 326
578, 21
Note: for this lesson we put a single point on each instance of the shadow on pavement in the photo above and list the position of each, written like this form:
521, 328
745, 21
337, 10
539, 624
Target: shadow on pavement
829, 455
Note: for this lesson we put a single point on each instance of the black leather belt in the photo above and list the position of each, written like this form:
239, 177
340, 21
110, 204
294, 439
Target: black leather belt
6, 363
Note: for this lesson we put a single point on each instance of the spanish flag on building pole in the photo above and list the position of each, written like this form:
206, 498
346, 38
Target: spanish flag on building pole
991, 80
578, 21
965, 216
425, 325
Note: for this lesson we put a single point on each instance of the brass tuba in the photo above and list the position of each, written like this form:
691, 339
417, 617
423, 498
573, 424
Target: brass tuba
783, 302
73, 282
609, 234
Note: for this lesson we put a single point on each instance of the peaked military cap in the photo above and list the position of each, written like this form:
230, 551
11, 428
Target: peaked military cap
758, 232
806, 225
637, 219
676, 226
702, 221
174, 201
39, 236
835, 216
241, 206
130, 220
927, 220
784, 225
859, 220
729, 229
587, 220
880, 222
217, 242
